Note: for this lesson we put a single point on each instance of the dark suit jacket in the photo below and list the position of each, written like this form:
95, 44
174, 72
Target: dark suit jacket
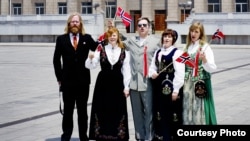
69, 64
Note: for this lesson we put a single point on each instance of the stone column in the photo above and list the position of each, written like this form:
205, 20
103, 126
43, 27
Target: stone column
227, 6
147, 10
5, 7
27, 7
172, 10
51, 7
73, 6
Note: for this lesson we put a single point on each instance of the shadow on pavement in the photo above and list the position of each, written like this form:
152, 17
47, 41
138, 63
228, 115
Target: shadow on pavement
59, 139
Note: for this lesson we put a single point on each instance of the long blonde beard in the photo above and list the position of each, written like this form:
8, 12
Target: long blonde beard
74, 30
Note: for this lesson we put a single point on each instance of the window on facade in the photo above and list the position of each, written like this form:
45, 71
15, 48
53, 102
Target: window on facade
241, 5
110, 9
62, 8
87, 7
214, 6
39, 8
17, 8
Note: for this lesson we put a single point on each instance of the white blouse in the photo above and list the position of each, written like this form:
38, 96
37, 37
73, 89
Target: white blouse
179, 68
210, 65
113, 54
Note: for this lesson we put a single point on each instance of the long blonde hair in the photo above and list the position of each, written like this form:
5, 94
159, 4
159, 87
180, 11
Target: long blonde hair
109, 34
67, 29
194, 26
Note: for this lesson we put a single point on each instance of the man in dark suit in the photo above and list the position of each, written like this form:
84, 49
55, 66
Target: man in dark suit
71, 51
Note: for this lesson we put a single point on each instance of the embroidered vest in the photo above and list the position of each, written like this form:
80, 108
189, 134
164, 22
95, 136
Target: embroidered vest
202, 74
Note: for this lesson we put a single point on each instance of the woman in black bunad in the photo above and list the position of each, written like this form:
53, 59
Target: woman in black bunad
168, 78
109, 118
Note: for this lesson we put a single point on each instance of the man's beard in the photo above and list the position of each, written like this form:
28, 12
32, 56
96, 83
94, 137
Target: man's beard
75, 29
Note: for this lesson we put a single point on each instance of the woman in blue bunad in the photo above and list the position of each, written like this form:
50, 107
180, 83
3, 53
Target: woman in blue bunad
109, 118
168, 78
198, 110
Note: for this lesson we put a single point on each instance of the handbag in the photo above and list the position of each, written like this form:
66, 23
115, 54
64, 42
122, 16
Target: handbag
167, 86
200, 89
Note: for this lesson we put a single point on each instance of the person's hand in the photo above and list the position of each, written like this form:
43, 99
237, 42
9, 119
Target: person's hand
126, 93
91, 55
174, 96
203, 57
60, 85
155, 75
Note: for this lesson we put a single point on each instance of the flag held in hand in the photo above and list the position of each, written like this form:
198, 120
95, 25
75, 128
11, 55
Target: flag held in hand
126, 18
186, 59
101, 38
99, 47
218, 34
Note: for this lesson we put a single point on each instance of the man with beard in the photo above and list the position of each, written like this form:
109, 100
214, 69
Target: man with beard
70, 53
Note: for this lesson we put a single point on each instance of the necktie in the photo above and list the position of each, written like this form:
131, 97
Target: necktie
145, 63
75, 42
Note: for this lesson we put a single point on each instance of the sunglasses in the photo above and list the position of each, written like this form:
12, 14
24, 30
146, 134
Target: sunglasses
142, 25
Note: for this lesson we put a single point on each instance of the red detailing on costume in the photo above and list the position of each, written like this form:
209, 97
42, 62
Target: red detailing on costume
145, 62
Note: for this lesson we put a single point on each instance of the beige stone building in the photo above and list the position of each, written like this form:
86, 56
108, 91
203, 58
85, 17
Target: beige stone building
162, 13
159, 11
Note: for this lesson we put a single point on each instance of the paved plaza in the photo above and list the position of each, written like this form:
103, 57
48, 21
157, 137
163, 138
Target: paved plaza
29, 103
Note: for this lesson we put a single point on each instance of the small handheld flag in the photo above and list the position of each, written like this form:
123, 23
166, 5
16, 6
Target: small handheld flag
126, 18
186, 59
101, 38
99, 47
218, 34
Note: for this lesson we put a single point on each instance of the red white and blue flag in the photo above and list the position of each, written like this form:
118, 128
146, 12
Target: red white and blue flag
186, 59
101, 38
99, 47
218, 34
126, 18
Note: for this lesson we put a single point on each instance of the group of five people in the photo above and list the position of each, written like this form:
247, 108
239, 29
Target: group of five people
141, 67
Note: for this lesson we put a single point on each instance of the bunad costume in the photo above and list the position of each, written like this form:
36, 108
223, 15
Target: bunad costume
167, 113
199, 111
109, 118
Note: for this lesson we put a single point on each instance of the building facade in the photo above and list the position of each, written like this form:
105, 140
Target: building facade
177, 14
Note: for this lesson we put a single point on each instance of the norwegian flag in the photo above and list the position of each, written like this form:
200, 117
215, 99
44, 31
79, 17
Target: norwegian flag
186, 59
126, 18
218, 34
99, 47
101, 38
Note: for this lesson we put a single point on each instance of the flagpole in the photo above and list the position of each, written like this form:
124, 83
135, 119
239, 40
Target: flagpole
165, 68
219, 36
113, 22
210, 41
